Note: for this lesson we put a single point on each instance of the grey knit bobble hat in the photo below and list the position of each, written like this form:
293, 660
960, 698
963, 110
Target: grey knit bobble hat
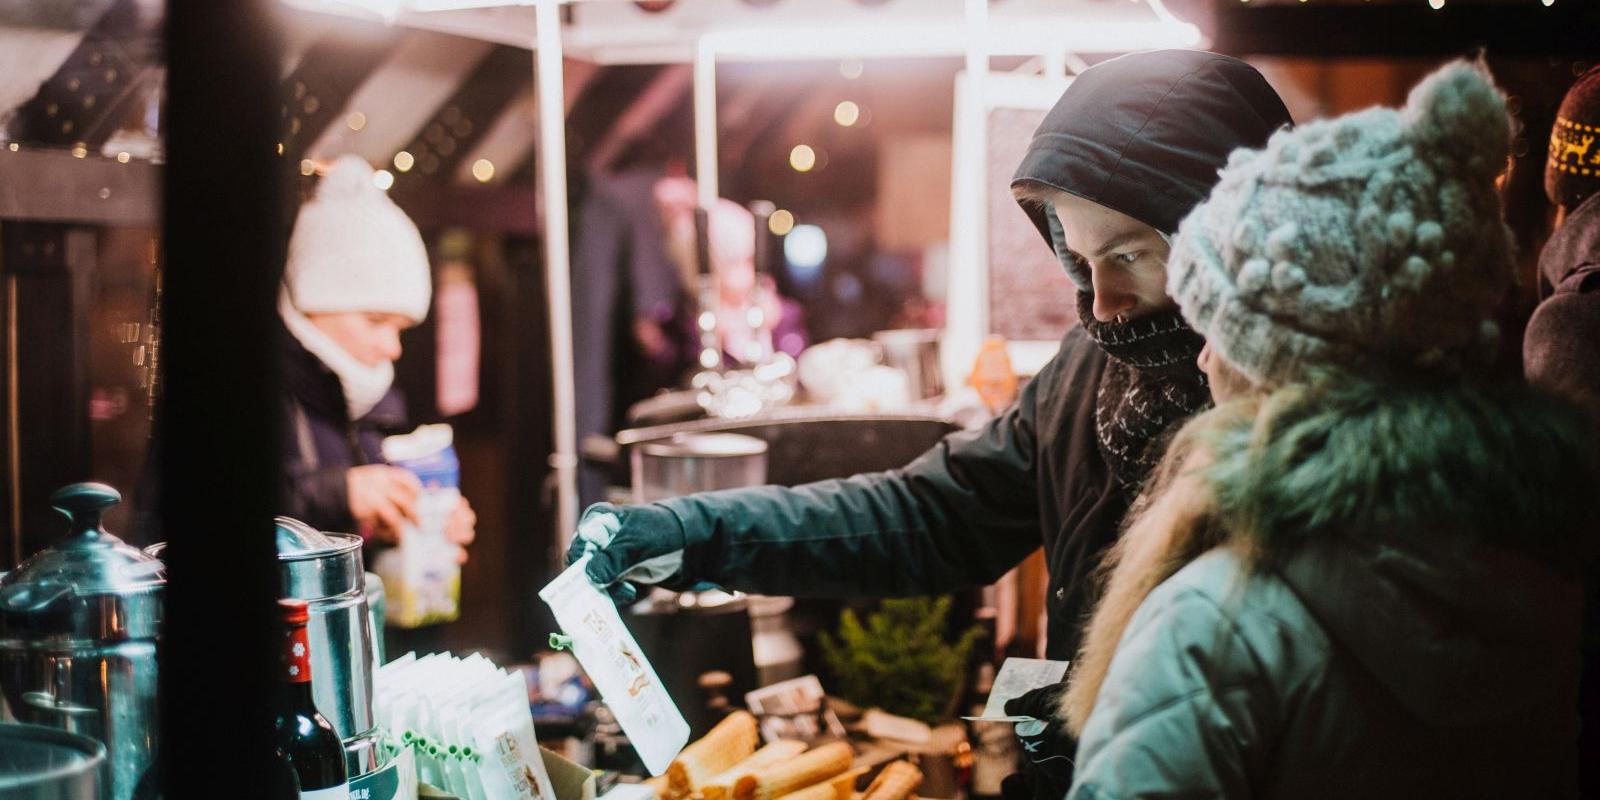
1369, 240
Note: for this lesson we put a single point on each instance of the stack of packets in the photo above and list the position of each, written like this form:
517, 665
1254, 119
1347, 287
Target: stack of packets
726, 765
466, 722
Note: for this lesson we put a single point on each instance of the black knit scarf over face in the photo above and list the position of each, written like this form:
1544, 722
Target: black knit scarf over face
1150, 386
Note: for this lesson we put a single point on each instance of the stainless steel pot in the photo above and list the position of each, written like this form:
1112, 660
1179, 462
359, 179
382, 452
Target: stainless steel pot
324, 569
697, 462
79, 624
39, 763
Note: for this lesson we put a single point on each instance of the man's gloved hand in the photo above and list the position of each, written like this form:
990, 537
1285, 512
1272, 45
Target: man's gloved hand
1046, 746
629, 546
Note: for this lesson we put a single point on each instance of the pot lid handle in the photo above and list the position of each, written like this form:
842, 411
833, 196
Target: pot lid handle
83, 504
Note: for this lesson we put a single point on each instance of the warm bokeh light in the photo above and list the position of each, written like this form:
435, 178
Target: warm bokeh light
483, 170
403, 161
846, 113
802, 158
781, 222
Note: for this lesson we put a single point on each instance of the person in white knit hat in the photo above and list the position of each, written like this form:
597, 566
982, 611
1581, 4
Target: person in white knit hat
357, 275
1358, 575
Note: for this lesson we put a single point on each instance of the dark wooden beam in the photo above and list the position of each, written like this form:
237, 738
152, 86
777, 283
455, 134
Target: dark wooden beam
55, 186
48, 274
433, 205
217, 420
461, 122
107, 77
320, 86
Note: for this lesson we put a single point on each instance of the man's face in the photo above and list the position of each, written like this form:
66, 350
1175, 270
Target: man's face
370, 338
1126, 259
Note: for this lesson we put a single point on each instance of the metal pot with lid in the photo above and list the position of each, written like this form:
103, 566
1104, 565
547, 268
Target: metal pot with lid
79, 623
324, 569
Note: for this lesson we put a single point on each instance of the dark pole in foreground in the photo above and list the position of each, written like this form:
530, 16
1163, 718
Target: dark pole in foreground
217, 415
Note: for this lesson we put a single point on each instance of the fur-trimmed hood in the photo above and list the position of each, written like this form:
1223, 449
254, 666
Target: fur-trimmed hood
1419, 525
1433, 532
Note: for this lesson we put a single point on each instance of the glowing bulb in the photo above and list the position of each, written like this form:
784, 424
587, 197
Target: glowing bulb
802, 158
383, 179
13, 147
846, 113
483, 170
308, 167
124, 157
805, 247
79, 150
781, 222
1548, 3
1436, 4
403, 161
851, 68
356, 121
710, 358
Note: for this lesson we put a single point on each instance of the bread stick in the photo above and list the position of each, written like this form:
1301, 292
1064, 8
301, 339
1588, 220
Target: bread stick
720, 786
816, 791
898, 781
815, 766
731, 741
845, 785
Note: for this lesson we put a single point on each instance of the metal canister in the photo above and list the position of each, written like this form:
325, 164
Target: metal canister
324, 569
697, 462
79, 624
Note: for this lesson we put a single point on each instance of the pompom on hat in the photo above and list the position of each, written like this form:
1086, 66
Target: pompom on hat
353, 249
1372, 240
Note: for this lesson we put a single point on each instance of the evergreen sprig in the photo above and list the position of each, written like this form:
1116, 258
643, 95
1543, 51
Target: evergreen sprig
899, 660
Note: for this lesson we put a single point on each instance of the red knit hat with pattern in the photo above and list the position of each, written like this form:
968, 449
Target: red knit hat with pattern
1572, 172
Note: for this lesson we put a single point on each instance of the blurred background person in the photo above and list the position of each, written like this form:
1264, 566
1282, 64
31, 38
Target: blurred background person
356, 276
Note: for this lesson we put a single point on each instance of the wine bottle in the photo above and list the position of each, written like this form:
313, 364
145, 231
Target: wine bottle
303, 734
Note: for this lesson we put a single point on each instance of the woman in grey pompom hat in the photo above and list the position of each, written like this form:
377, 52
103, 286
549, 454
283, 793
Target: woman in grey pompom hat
1358, 575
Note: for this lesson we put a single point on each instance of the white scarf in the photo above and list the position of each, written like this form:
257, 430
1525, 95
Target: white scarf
363, 386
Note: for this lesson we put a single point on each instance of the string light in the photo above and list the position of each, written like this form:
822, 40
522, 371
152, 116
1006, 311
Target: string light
1434, 4
14, 147
356, 121
851, 68
403, 161
308, 167
802, 158
483, 170
846, 113
781, 222
123, 157
383, 179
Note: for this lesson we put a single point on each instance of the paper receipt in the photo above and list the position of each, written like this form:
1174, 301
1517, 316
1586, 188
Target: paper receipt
1017, 677
613, 660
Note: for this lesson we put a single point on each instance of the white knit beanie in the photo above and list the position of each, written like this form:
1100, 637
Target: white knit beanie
353, 249
1370, 240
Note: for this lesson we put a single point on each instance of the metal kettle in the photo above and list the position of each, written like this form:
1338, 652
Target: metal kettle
79, 623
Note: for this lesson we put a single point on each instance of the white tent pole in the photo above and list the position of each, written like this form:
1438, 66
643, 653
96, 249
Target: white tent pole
558, 279
705, 122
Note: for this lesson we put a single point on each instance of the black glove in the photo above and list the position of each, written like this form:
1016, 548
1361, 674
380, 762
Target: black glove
1047, 748
629, 547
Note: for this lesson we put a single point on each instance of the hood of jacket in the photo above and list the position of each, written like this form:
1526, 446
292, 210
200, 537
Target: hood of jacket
1574, 246
1423, 528
1561, 345
1145, 134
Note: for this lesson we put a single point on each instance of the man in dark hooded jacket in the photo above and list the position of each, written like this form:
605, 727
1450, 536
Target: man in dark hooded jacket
1561, 348
1130, 148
